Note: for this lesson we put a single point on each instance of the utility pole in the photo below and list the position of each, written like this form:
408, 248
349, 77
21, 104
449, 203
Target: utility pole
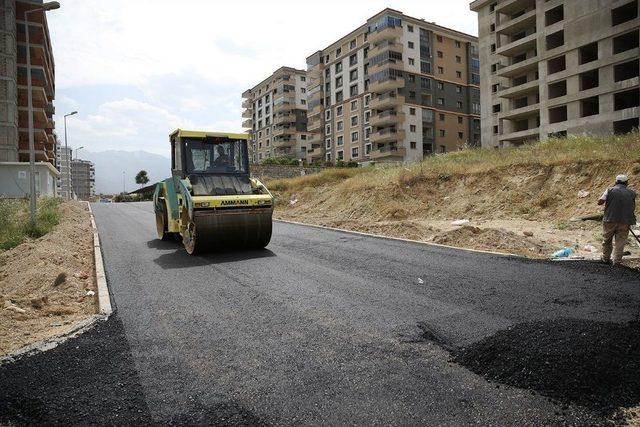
123, 191
32, 152
66, 152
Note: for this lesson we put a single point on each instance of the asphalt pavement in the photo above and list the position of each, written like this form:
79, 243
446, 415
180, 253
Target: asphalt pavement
322, 327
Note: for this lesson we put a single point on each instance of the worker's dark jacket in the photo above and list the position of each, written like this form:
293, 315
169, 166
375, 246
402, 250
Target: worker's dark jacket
620, 205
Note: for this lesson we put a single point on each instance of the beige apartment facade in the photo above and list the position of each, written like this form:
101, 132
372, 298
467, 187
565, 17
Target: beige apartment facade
396, 88
557, 67
275, 116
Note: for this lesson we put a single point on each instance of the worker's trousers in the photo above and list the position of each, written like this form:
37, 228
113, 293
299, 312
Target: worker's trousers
616, 233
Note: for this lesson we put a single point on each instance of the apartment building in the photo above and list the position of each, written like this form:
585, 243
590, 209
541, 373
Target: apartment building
557, 67
275, 113
63, 165
396, 88
83, 179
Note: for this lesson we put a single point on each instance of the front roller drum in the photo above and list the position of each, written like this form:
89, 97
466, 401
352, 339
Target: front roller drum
228, 229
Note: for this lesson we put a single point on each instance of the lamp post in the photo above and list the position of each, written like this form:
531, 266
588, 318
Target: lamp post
78, 149
32, 154
66, 150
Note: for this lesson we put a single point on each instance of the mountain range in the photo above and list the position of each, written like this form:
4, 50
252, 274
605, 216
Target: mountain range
110, 165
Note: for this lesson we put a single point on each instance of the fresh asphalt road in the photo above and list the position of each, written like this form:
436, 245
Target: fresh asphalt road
325, 327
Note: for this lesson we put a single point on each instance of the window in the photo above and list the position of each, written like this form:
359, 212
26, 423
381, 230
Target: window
496, 108
459, 120
339, 110
352, 44
339, 96
303, 90
440, 54
267, 142
626, 99
339, 81
411, 45
589, 106
412, 111
338, 51
339, 126
411, 78
589, 79
626, 126
367, 133
354, 136
557, 89
458, 89
367, 149
458, 59
353, 59
327, 129
554, 15
458, 44
492, 28
340, 155
459, 104
441, 117
412, 94
442, 132
328, 157
493, 47
367, 98
327, 115
626, 70
340, 141
267, 109
354, 105
459, 74
303, 79
440, 101
367, 116
354, 120
625, 13
558, 114
412, 128
425, 83
625, 42
556, 65
439, 39
412, 61
339, 67
354, 152
440, 70
588, 53
353, 75
410, 28
440, 86
495, 130
328, 142
303, 101
353, 90
460, 135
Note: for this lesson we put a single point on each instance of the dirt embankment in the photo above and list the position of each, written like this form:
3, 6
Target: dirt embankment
523, 209
45, 283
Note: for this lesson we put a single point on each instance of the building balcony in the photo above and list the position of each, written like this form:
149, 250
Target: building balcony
315, 94
519, 46
387, 118
284, 118
385, 101
314, 125
521, 136
283, 141
385, 135
520, 90
509, 7
522, 112
247, 103
388, 153
315, 139
315, 152
247, 94
247, 124
386, 33
314, 73
514, 26
384, 46
247, 114
391, 63
283, 130
386, 85
519, 67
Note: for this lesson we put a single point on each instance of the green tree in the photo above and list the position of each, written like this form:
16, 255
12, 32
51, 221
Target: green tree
142, 178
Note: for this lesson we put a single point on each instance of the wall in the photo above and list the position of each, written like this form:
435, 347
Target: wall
281, 171
14, 179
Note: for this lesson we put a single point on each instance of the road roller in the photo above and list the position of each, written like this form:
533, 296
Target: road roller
210, 202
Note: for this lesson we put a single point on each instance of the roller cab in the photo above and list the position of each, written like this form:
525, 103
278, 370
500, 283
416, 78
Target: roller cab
210, 201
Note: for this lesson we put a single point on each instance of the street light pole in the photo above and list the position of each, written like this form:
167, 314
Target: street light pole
66, 151
78, 149
32, 153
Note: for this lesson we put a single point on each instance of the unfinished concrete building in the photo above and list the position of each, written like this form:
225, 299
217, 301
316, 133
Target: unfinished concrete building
557, 67
275, 114
83, 179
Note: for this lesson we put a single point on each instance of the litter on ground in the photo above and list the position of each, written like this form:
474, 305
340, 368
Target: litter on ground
460, 222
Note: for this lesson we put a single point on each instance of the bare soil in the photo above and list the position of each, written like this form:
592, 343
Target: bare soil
44, 282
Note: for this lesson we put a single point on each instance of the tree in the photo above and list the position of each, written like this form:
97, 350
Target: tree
142, 178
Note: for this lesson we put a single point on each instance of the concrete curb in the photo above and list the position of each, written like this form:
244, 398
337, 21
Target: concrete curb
104, 302
400, 239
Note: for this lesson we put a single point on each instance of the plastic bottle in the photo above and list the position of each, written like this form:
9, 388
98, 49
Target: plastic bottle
563, 253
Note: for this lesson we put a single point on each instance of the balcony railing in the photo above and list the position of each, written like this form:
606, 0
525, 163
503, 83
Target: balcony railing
390, 83
386, 118
386, 33
387, 135
386, 100
388, 152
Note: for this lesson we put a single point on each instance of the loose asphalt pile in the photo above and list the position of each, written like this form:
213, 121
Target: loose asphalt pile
592, 364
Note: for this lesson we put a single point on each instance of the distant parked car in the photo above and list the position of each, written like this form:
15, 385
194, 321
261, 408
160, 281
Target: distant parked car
105, 200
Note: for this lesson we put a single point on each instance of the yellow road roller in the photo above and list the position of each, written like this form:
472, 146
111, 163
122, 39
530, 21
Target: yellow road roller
211, 202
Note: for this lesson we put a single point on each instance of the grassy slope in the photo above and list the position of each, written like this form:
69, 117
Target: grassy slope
15, 225
538, 182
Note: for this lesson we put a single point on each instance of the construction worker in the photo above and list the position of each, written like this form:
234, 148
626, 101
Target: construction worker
619, 215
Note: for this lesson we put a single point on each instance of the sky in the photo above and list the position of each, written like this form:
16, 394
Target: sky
135, 70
